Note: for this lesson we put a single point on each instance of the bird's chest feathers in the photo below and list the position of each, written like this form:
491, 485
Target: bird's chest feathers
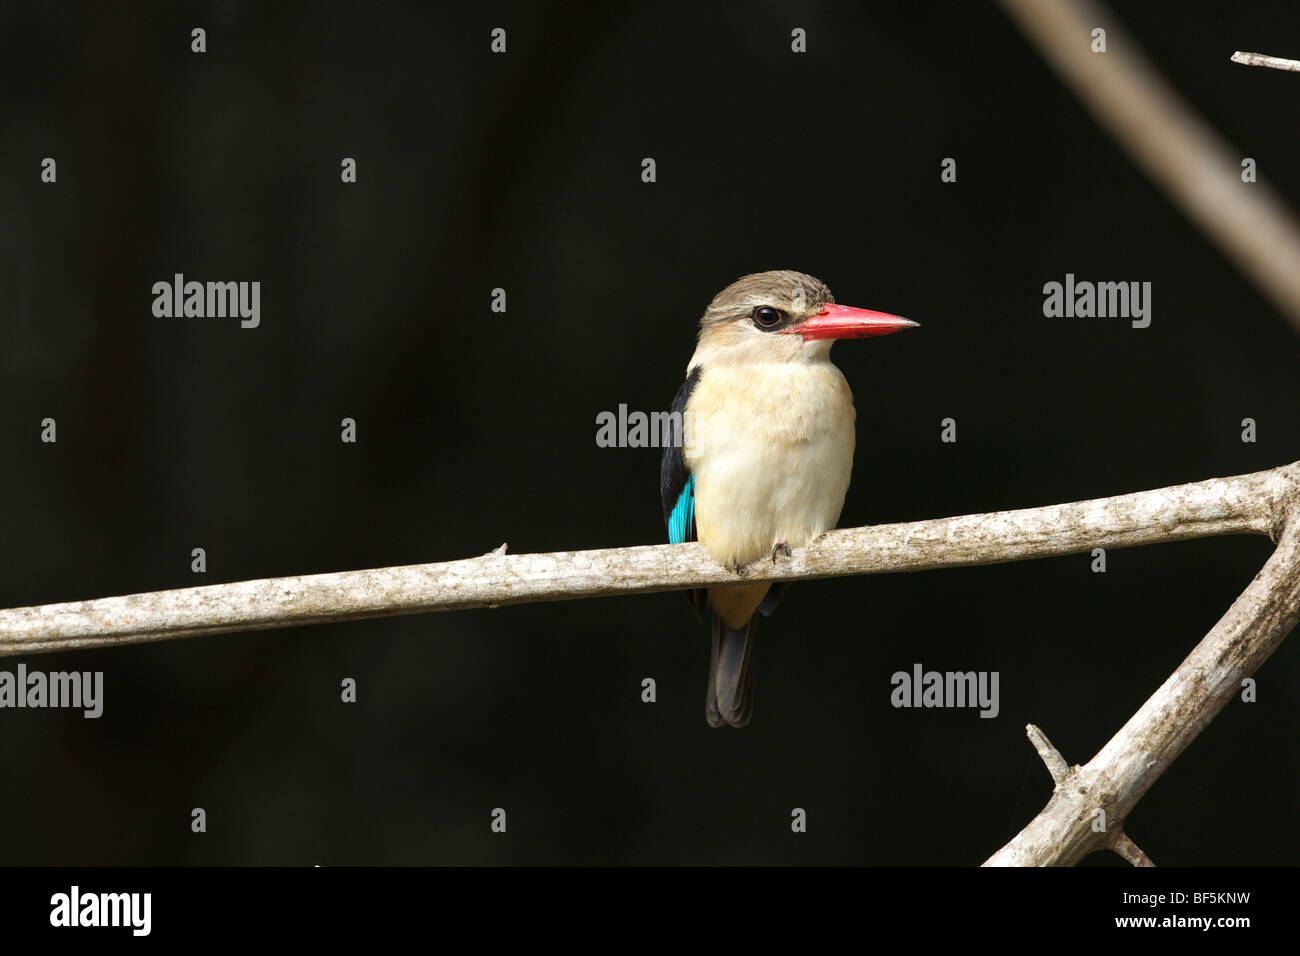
771, 448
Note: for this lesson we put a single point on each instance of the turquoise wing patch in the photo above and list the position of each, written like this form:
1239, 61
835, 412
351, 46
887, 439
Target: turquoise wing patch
681, 523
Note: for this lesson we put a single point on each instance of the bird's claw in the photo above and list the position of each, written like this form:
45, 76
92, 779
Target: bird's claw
782, 549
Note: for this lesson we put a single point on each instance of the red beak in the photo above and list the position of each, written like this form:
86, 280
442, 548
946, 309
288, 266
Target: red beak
845, 322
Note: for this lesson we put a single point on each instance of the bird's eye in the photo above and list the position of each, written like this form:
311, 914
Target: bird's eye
767, 318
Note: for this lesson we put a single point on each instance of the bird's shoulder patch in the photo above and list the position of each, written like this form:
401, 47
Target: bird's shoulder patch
681, 523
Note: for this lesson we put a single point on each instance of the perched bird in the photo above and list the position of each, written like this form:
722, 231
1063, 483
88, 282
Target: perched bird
766, 451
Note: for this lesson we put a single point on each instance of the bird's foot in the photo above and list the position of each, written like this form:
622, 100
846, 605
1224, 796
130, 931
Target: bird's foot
781, 549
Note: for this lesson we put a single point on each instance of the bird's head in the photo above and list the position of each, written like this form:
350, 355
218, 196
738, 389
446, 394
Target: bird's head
785, 316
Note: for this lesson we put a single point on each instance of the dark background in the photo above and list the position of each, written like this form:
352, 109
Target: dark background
523, 171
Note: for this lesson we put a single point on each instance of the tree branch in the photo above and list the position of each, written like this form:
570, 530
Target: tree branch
1245, 504
1261, 59
1121, 773
1121, 844
1265, 502
1252, 226
1182, 155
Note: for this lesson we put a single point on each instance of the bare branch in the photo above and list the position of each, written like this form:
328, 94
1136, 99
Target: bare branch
1107, 788
1244, 504
1181, 154
1063, 776
1261, 59
1121, 844
1118, 776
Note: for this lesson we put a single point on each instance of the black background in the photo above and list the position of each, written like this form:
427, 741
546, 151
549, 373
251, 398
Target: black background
522, 171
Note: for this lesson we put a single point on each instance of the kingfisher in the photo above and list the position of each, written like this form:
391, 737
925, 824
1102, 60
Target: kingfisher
766, 451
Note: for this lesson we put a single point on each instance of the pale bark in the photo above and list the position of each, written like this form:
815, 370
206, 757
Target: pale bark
1244, 504
1266, 502
1070, 827
1183, 155
1263, 59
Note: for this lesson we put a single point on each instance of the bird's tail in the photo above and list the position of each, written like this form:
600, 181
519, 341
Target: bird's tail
730, 697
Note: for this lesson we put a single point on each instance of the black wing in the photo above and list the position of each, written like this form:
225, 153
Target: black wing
677, 485
674, 477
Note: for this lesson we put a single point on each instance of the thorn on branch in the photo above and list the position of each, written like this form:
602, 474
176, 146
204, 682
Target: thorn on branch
1119, 841
1056, 764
